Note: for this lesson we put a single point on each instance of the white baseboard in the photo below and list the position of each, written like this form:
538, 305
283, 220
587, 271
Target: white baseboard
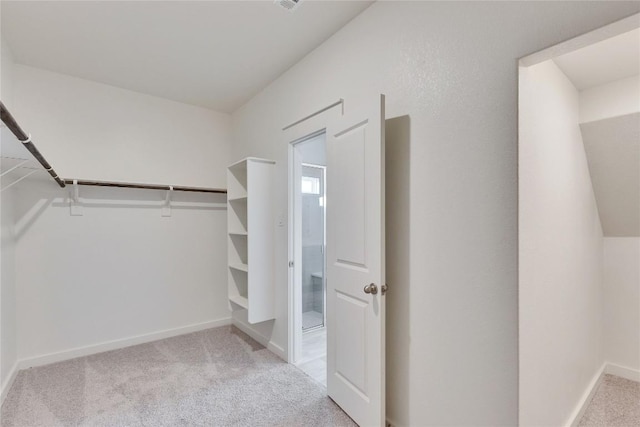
622, 371
118, 344
8, 382
270, 345
584, 401
607, 368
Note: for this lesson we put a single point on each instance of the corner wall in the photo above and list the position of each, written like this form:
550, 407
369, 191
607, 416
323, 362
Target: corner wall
8, 321
121, 273
560, 253
452, 68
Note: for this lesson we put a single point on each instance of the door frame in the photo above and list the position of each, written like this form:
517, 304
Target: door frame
308, 128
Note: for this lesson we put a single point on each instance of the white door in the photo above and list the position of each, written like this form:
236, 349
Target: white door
356, 263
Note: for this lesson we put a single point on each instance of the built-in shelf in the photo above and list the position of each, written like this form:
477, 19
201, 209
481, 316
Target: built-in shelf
241, 267
249, 214
239, 300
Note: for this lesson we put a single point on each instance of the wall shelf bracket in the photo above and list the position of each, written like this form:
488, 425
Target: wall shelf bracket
74, 200
166, 209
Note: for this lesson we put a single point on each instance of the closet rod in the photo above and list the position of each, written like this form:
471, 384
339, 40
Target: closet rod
25, 138
146, 186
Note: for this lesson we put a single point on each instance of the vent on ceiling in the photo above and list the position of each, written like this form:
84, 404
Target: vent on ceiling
290, 5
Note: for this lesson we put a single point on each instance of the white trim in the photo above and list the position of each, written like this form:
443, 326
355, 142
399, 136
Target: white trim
585, 400
292, 298
118, 344
9, 382
622, 371
312, 115
270, 345
607, 368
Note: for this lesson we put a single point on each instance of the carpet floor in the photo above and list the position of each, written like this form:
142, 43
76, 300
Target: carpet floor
616, 403
217, 377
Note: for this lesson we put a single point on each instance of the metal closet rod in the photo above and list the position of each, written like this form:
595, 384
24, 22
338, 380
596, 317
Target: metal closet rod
145, 186
25, 138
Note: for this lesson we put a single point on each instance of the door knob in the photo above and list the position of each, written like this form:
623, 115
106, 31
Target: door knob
371, 289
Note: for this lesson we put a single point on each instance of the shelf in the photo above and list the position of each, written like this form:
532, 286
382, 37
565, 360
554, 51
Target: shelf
240, 267
243, 163
239, 300
249, 200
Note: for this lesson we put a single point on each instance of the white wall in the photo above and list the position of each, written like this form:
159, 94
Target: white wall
8, 320
8, 326
6, 74
121, 270
622, 302
451, 67
561, 344
613, 99
89, 130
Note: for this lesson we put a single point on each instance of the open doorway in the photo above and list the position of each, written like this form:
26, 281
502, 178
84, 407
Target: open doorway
579, 230
349, 358
309, 226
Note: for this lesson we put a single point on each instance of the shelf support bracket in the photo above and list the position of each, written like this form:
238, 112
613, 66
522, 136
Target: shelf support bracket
76, 207
166, 209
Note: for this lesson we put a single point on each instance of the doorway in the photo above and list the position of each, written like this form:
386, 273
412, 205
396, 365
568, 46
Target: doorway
313, 247
351, 356
309, 223
579, 234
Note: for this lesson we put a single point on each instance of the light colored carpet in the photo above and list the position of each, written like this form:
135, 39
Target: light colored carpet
217, 377
616, 403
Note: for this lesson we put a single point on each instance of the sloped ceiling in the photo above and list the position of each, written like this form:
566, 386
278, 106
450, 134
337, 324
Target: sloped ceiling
215, 54
613, 151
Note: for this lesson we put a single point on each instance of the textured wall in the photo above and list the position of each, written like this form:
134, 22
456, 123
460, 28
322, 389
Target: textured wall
452, 68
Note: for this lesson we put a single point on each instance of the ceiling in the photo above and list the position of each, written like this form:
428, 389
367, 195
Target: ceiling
609, 60
215, 54
613, 152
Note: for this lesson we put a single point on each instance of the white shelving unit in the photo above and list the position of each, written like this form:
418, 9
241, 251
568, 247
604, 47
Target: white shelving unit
250, 241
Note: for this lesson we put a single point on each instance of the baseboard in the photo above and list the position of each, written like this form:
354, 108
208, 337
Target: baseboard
47, 359
584, 401
8, 382
270, 345
622, 371
607, 368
